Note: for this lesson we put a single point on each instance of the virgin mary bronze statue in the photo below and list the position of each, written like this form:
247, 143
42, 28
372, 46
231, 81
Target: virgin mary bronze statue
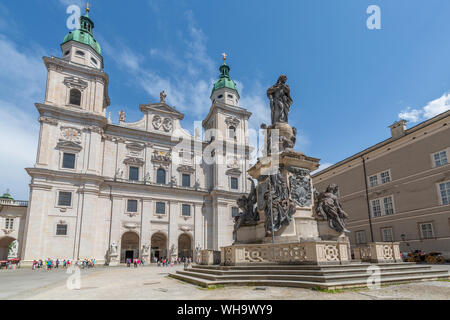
280, 100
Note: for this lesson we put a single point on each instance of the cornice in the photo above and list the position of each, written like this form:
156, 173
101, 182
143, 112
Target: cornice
87, 118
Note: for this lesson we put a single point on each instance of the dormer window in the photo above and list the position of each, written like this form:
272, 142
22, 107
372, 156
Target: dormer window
75, 97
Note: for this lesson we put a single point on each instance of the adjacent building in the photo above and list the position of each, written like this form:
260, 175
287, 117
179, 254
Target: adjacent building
12, 225
145, 187
399, 189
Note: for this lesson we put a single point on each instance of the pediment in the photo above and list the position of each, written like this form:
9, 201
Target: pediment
162, 108
64, 144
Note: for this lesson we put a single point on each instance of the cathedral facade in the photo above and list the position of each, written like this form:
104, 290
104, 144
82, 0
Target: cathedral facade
148, 188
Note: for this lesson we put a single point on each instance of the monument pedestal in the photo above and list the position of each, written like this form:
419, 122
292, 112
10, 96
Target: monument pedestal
114, 260
313, 253
378, 252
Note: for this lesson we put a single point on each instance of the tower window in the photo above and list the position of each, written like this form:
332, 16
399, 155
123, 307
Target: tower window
94, 61
186, 180
65, 199
161, 176
68, 161
232, 132
80, 53
67, 52
220, 96
234, 183
75, 97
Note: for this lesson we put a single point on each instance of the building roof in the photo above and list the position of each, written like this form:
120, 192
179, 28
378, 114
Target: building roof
224, 80
84, 34
7, 196
385, 142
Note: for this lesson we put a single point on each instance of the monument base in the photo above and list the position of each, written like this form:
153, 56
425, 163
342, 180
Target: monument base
209, 257
114, 260
378, 252
314, 252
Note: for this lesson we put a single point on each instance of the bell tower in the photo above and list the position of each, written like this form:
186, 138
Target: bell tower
76, 81
227, 150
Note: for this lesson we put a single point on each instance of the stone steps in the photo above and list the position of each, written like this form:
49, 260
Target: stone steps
307, 276
329, 271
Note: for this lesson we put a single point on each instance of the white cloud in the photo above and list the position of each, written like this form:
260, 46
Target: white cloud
433, 108
187, 85
22, 83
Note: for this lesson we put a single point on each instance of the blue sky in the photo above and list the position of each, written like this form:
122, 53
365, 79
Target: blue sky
348, 83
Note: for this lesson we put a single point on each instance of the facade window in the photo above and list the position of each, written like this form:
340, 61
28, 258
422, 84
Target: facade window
444, 189
75, 97
376, 208
234, 183
426, 230
360, 237
65, 199
373, 181
132, 205
68, 160
232, 132
61, 229
387, 234
161, 176
380, 178
382, 206
186, 210
440, 158
9, 223
385, 177
160, 208
388, 205
186, 180
134, 174
234, 212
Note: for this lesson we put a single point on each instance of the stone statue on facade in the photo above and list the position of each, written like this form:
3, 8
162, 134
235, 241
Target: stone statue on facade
145, 249
162, 97
249, 214
119, 173
147, 177
113, 248
327, 207
280, 100
122, 116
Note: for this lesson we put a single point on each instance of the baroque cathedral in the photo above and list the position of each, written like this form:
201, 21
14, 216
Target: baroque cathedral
140, 189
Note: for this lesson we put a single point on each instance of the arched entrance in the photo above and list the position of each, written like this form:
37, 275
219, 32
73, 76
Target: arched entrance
129, 246
184, 246
159, 246
8, 248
